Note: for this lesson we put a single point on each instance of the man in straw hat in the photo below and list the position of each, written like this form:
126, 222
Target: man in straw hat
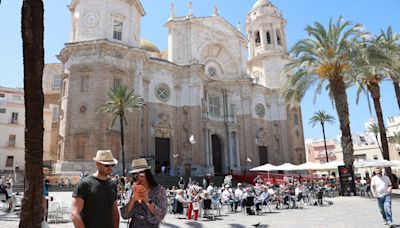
94, 199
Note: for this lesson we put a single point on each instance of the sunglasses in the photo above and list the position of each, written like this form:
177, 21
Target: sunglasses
142, 174
108, 166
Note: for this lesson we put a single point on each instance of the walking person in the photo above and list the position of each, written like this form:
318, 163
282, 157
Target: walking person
148, 205
181, 183
381, 188
94, 199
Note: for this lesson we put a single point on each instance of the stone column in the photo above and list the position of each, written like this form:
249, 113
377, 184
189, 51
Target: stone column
206, 147
237, 151
263, 38
210, 160
146, 119
274, 37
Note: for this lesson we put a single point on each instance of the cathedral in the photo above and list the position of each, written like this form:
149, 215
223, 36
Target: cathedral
212, 97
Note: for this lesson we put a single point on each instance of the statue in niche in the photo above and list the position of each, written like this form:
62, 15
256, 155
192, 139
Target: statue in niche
262, 138
163, 129
233, 109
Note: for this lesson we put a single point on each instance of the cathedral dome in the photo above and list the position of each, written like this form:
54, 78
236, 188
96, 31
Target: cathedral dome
260, 3
148, 46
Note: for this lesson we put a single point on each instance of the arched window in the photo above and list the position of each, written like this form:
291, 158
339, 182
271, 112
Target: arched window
295, 119
257, 39
278, 37
268, 37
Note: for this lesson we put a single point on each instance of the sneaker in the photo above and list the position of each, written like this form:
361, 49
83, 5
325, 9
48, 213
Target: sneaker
391, 225
385, 222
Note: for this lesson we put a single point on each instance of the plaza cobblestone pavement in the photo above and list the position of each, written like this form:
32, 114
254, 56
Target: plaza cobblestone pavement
346, 212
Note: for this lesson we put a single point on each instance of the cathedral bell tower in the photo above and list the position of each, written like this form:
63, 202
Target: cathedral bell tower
265, 29
114, 20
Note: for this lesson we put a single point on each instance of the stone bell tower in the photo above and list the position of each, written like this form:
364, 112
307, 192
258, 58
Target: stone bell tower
268, 53
114, 20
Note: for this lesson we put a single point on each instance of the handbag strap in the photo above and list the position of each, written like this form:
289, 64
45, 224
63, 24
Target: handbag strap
128, 223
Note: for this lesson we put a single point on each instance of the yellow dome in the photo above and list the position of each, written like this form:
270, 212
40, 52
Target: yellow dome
147, 45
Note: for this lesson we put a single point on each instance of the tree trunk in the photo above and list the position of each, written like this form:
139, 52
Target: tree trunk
374, 89
377, 141
33, 57
326, 149
397, 91
121, 122
338, 89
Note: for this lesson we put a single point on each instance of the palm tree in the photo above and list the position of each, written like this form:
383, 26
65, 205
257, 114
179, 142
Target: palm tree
33, 57
325, 58
371, 66
120, 101
396, 137
373, 128
322, 117
390, 43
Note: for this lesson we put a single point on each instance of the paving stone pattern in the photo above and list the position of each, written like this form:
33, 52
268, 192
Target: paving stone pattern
346, 212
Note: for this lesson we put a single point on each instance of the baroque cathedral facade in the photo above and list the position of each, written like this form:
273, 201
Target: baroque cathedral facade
212, 97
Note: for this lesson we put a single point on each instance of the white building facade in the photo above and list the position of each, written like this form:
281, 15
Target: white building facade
12, 129
202, 85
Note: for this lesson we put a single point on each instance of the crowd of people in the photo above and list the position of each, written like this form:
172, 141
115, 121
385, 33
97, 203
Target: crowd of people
98, 200
283, 195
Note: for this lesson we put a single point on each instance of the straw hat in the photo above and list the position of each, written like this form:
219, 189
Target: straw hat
138, 165
105, 157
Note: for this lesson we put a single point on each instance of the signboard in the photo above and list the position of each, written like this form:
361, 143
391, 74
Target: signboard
347, 182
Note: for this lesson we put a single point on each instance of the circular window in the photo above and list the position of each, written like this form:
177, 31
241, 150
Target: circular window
260, 110
212, 71
162, 92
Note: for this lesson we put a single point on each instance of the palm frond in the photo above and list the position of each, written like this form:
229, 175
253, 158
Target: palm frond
321, 117
119, 102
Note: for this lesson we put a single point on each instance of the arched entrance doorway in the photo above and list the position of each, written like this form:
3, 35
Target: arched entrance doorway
162, 157
216, 153
263, 153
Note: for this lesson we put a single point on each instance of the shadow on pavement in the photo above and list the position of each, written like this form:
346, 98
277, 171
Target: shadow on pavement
170, 225
236, 226
194, 224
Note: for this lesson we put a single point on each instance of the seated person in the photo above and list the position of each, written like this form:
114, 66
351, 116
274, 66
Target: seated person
288, 192
4, 191
180, 202
238, 195
298, 192
227, 196
262, 198
246, 194
210, 187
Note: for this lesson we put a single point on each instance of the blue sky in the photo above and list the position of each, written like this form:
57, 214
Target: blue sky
373, 14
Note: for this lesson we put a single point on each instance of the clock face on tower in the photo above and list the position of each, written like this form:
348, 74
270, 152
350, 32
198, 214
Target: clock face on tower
91, 19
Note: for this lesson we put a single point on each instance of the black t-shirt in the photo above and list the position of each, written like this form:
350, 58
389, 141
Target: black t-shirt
99, 196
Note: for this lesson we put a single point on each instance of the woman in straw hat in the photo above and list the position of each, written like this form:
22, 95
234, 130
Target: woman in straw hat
148, 204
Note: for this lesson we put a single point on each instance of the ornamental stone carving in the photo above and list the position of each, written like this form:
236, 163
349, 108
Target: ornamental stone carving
262, 137
162, 128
